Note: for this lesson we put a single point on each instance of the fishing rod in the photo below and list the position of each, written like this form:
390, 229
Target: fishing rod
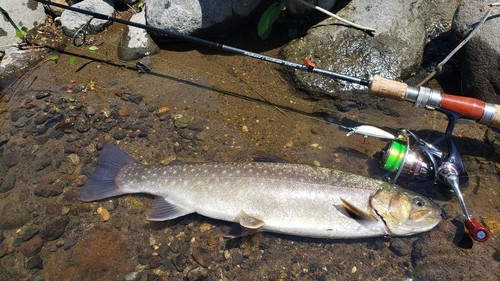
470, 108
406, 154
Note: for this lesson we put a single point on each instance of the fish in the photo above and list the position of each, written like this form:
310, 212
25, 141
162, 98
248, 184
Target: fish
293, 199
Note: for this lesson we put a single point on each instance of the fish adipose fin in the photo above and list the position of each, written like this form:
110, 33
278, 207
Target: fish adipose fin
355, 212
164, 210
101, 183
248, 225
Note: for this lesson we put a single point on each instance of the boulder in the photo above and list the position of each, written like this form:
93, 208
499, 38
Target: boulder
394, 51
136, 42
196, 16
72, 21
21, 13
479, 59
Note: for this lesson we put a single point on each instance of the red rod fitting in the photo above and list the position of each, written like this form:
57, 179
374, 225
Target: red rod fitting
477, 230
469, 107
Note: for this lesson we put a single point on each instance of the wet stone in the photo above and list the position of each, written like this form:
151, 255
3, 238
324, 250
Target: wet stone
41, 118
82, 124
10, 159
119, 134
401, 247
135, 98
8, 183
15, 115
35, 262
51, 122
69, 243
198, 273
43, 163
21, 122
13, 216
90, 111
133, 276
54, 229
154, 261
32, 247
180, 262
42, 94
48, 190
29, 233
78, 88
237, 258
202, 256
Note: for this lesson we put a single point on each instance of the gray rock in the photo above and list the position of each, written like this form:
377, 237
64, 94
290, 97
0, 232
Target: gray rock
196, 16
135, 42
22, 13
16, 60
72, 21
35, 262
395, 50
479, 59
8, 183
54, 229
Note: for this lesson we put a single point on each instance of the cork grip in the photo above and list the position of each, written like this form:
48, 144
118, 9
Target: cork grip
383, 87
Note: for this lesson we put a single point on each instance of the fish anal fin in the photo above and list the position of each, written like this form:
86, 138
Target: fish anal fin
164, 210
355, 212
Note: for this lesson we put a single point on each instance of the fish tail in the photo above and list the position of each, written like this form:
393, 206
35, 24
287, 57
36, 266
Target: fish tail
101, 183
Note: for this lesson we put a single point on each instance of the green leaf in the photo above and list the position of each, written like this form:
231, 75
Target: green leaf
54, 58
93, 49
270, 15
21, 32
72, 60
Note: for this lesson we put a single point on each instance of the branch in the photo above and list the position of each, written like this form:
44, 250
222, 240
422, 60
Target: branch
364, 28
439, 67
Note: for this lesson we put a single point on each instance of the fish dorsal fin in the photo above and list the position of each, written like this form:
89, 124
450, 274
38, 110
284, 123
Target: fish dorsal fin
355, 212
248, 221
247, 225
164, 210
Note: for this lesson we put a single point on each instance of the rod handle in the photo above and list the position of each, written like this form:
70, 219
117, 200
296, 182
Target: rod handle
387, 88
483, 112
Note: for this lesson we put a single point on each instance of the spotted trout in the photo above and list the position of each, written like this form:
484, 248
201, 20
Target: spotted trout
276, 197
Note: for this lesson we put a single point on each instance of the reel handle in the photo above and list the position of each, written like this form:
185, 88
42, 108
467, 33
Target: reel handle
471, 108
477, 230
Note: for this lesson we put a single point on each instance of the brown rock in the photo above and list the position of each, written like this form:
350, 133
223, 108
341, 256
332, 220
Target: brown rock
32, 247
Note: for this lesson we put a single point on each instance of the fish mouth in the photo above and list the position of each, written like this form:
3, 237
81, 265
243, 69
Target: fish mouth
424, 215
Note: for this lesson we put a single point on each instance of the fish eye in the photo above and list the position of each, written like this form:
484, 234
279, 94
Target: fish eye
418, 201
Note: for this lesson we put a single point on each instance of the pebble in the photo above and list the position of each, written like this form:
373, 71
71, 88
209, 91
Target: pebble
198, 273
48, 190
108, 205
182, 121
54, 229
401, 247
133, 276
237, 258
15, 115
82, 124
78, 88
74, 159
29, 233
119, 134
202, 256
32, 247
103, 214
35, 262
90, 111
41, 118
21, 122
42, 94
244, 129
8, 183
69, 243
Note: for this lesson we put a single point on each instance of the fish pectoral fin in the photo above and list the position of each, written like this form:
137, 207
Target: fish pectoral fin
355, 212
164, 210
248, 221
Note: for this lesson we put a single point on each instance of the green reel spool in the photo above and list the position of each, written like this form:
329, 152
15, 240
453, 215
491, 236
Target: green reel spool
394, 157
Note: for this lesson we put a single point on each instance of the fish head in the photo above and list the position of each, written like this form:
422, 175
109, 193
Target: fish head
405, 212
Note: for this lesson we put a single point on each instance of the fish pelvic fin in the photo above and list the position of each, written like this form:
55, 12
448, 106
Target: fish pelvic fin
164, 210
248, 225
355, 212
101, 183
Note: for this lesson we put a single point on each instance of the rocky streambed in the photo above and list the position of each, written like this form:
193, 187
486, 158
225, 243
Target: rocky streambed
195, 105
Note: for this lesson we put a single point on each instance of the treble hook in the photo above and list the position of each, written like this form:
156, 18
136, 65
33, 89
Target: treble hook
82, 32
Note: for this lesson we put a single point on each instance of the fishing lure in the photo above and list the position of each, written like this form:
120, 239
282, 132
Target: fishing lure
369, 131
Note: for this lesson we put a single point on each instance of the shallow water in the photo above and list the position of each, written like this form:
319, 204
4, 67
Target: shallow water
198, 105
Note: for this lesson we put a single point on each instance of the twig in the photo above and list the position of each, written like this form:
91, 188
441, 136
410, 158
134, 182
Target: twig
337, 17
439, 67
